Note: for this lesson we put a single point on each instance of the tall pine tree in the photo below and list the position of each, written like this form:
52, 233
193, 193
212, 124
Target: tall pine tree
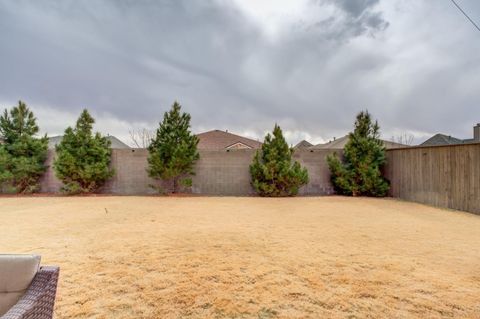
359, 174
83, 158
6, 175
22, 154
272, 171
173, 151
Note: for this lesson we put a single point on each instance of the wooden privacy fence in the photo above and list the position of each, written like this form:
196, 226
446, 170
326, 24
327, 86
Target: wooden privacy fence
444, 176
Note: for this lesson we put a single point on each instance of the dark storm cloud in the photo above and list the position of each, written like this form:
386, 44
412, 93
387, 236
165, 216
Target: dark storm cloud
123, 59
356, 8
132, 59
355, 18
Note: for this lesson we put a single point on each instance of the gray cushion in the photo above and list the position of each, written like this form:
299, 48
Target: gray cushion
16, 274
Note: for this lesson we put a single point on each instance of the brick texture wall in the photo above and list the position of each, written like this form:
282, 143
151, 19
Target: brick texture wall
217, 173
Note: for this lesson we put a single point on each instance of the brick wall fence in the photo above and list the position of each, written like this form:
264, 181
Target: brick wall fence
444, 176
217, 173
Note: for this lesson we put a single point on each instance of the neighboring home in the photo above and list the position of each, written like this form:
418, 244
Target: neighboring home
339, 144
115, 142
223, 140
303, 145
442, 139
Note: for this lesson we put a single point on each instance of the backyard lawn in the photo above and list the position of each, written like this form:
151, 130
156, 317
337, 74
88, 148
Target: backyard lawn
227, 257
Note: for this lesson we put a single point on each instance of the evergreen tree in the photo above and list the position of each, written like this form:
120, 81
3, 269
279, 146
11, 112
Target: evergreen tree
273, 173
83, 159
6, 175
364, 156
22, 155
173, 151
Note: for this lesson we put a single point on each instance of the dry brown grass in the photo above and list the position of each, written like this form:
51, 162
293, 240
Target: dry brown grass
147, 257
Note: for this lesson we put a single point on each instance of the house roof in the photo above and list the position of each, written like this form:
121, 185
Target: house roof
303, 145
339, 144
218, 140
442, 139
115, 142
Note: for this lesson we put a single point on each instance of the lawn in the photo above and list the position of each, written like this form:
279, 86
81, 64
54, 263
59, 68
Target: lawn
226, 257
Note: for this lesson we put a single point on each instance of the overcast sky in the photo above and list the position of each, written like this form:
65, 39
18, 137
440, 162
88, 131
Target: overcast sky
242, 65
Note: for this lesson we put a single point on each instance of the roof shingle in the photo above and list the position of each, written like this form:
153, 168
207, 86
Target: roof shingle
442, 139
339, 144
219, 140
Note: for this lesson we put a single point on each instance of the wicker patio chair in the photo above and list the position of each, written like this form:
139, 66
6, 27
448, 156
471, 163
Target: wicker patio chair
39, 299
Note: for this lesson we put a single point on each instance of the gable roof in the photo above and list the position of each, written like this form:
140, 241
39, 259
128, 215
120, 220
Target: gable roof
115, 142
303, 145
219, 140
339, 144
442, 139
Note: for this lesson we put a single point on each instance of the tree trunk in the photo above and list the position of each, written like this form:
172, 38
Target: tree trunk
174, 185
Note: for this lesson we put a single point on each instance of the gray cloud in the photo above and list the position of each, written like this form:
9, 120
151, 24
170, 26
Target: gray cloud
353, 18
128, 61
356, 8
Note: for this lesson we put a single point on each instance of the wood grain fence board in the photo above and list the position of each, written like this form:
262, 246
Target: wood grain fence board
444, 176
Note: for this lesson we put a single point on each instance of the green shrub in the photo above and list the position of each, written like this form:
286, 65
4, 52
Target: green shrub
6, 176
173, 151
272, 171
359, 173
22, 155
82, 161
